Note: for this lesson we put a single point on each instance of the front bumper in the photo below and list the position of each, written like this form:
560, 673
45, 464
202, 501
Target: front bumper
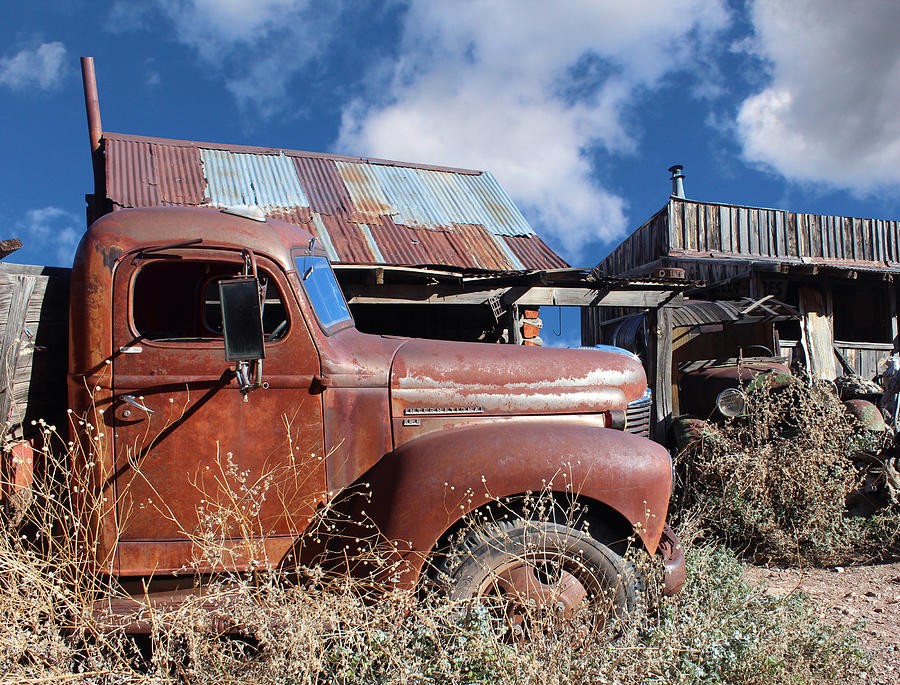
673, 562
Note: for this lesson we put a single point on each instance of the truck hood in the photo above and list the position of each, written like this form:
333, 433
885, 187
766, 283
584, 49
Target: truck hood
430, 377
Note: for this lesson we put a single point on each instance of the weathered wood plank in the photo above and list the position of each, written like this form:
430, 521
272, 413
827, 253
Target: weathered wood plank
11, 342
690, 225
36, 386
7, 247
659, 323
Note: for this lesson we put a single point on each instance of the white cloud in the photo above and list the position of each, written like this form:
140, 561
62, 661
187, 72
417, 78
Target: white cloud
258, 45
56, 230
526, 90
829, 112
41, 67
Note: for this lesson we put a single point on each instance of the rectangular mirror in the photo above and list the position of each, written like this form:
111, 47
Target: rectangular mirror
241, 319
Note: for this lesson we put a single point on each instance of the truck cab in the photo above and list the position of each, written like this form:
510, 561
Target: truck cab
181, 430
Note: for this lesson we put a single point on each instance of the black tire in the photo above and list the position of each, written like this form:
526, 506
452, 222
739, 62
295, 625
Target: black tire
518, 567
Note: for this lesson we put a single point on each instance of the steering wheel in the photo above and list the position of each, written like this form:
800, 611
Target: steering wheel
765, 349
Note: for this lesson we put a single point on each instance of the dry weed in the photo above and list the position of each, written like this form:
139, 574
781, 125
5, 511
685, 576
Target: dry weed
774, 483
258, 627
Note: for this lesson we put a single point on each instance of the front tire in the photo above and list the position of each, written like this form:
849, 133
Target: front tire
518, 569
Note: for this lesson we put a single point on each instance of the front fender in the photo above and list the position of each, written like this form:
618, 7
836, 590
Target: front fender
426, 485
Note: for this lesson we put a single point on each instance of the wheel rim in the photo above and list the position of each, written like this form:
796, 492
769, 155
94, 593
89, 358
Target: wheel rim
543, 585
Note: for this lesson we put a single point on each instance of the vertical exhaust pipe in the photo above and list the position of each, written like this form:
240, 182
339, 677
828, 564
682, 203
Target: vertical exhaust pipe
91, 102
95, 207
677, 180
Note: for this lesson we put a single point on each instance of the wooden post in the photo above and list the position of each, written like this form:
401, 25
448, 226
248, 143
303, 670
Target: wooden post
11, 343
514, 325
892, 313
659, 362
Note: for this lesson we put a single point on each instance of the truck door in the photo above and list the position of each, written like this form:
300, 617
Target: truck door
197, 466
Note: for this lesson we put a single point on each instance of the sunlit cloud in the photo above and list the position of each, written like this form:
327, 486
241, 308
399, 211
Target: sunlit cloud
39, 68
828, 113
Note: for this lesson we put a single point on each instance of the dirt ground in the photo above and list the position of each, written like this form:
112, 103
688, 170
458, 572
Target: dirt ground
866, 595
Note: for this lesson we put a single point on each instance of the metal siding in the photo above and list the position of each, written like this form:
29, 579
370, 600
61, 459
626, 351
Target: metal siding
265, 181
454, 204
402, 243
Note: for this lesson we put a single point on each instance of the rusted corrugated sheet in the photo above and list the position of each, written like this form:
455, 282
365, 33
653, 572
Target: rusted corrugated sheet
532, 249
366, 193
324, 186
177, 171
362, 210
131, 181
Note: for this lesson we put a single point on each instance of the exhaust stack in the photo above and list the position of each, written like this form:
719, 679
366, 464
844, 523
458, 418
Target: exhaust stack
95, 203
91, 102
677, 180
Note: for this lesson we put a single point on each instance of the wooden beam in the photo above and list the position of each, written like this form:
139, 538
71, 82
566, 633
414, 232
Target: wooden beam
535, 296
7, 247
659, 358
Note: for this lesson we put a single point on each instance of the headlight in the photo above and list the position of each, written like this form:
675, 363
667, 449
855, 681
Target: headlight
731, 402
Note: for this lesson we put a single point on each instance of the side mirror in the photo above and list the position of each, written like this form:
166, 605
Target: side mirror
241, 319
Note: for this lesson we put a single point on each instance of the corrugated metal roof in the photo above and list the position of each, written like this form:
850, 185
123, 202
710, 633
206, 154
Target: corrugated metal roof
264, 181
363, 210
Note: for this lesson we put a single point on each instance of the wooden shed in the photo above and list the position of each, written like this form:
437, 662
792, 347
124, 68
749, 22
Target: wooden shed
838, 272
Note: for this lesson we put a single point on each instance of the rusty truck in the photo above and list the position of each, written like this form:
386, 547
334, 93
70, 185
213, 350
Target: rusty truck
200, 336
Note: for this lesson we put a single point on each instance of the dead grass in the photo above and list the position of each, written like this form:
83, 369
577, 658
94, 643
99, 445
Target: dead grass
332, 630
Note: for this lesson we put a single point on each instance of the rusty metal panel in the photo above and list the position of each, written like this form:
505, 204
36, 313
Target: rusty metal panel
401, 243
131, 181
475, 242
366, 193
324, 186
414, 204
533, 250
265, 181
179, 174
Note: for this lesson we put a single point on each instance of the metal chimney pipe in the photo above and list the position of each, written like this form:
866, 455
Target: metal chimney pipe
677, 180
91, 102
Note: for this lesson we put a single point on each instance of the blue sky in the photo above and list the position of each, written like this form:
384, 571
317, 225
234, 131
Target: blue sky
577, 108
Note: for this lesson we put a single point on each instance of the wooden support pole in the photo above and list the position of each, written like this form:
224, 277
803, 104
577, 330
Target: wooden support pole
513, 324
659, 361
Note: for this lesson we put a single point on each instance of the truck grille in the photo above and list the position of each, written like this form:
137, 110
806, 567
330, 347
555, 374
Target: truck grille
637, 416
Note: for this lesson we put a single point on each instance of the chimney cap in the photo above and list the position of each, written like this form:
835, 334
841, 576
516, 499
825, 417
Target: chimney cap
676, 168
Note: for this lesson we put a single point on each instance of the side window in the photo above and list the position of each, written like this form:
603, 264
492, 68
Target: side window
180, 301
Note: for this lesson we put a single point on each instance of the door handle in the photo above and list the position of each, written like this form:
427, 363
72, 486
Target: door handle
133, 401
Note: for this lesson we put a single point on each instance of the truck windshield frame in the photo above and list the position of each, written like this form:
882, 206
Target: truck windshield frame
323, 292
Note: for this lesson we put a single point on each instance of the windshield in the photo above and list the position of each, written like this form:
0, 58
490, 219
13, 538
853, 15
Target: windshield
323, 290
